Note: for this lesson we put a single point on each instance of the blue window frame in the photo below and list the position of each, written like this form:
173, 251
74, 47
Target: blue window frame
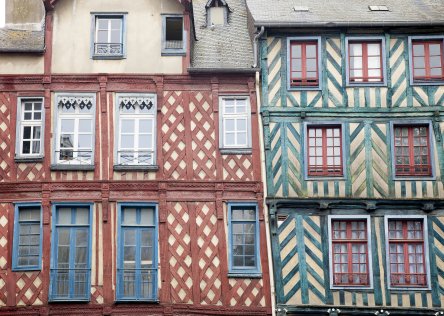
27, 251
137, 252
243, 232
71, 253
174, 36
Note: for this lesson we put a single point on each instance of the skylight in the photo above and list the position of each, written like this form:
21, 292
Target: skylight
378, 8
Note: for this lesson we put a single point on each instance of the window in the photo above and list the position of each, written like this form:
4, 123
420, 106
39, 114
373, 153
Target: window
427, 60
136, 136
70, 261
30, 128
365, 61
235, 123
350, 242
324, 151
173, 35
304, 63
243, 239
412, 150
137, 261
75, 129
407, 251
27, 251
108, 36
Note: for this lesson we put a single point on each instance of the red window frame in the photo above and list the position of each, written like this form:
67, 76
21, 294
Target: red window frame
427, 67
365, 78
304, 80
344, 236
407, 252
328, 149
412, 151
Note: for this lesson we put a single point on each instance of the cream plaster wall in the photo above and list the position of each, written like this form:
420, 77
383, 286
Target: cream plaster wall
72, 37
21, 64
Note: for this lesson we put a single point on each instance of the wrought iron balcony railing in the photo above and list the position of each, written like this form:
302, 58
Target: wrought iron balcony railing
108, 49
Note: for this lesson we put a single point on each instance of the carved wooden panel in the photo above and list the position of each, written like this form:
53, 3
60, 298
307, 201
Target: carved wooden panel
180, 259
238, 167
173, 135
203, 136
6, 153
208, 258
30, 172
29, 288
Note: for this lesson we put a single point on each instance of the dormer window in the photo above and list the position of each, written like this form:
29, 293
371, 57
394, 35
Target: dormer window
217, 12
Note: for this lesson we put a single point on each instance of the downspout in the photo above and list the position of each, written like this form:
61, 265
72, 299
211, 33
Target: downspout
255, 46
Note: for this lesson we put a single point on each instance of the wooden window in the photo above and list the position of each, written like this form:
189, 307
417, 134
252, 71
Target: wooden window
243, 239
71, 253
412, 151
137, 130
304, 64
27, 251
235, 123
407, 253
428, 60
324, 151
173, 35
137, 247
31, 128
108, 36
365, 62
350, 253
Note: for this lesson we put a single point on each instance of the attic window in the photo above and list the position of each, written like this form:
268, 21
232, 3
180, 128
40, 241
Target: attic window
378, 8
173, 35
300, 9
217, 12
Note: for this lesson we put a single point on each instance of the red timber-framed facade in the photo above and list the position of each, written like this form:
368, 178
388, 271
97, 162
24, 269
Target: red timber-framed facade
190, 189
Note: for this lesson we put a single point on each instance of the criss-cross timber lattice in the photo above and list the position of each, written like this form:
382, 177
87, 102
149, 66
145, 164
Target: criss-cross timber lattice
5, 136
2, 289
246, 292
203, 136
74, 101
29, 287
208, 261
180, 253
173, 136
131, 102
30, 171
4, 210
238, 167
97, 295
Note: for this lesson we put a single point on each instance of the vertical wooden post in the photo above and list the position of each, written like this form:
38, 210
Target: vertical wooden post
222, 245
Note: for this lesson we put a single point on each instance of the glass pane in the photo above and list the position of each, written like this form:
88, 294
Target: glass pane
67, 141
64, 215
242, 139
37, 116
435, 49
28, 116
85, 141
419, 62
355, 50
102, 37
296, 51
311, 51
436, 72
145, 126
373, 49
115, 36
36, 132
82, 216
26, 147
127, 141
85, 126
229, 139
67, 126
63, 237
27, 132
229, 125
296, 65
28, 106
311, 64
374, 62
356, 62
435, 61
29, 214
147, 216
127, 126
419, 72
418, 50
129, 216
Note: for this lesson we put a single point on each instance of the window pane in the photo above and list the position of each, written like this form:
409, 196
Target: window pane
146, 126
127, 141
115, 37
435, 61
229, 125
29, 214
67, 125
374, 62
311, 51
296, 51
355, 49
419, 62
418, 50
127, 126
82, 216
64, 215
147, 216
85, 126
311, 64
173, 29
129, 216
435, 49
85, 141
373, 49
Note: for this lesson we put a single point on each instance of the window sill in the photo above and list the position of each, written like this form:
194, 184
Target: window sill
414, 178
28, 159
135, 168
173, 53
235, 151
365, 84
352, 287
322, 178
135, 300
110, 57
245, 275
306, 88
69, 300
428, 83
72, 167
21, 269
404, 289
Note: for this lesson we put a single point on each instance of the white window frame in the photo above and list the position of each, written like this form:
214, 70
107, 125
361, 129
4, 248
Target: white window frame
426, 251
95, 17
137, 116
21, 123
237, 116
369, 245
59, 115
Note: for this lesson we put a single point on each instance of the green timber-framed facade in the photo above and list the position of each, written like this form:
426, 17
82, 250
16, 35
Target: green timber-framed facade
312, 202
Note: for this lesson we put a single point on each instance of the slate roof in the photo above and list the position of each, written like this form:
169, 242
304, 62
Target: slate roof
346, 12
21, 41
222, 48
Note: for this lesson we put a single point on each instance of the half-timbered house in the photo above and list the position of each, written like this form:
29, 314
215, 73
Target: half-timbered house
130, 175
352, 96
